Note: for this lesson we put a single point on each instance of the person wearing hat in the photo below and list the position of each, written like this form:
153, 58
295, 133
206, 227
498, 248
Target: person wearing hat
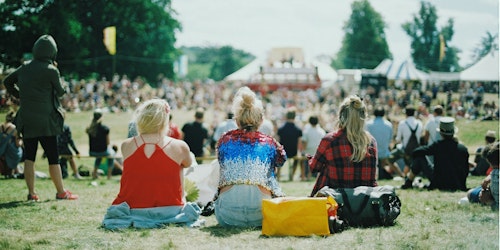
99, 143
40, 117
482, 166
450, 167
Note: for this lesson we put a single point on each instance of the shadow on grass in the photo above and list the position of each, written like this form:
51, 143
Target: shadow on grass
14, 204
219, 231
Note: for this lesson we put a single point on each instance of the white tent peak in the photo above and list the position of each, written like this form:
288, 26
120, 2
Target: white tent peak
486, 69
400, 70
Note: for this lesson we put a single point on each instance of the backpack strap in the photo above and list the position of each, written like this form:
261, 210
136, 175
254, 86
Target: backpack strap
412, 130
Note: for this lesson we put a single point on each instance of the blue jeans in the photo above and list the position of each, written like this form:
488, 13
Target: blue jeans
240, 206
494, 187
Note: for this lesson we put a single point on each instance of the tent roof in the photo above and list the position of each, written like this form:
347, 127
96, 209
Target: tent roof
404, 70
486, 69
246, 72
252, 70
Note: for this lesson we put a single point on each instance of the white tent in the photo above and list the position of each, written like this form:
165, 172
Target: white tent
486, 69
250, 71
245, 73
404, 70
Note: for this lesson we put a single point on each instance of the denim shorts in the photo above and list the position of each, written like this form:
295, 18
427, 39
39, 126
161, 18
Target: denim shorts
240, 206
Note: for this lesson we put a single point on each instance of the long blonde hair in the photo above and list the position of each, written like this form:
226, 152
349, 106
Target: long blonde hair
352, 116
247, 109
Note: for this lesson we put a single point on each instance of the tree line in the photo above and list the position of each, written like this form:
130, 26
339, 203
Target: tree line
145, 39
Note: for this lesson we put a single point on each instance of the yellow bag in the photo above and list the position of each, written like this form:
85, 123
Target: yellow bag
297, 216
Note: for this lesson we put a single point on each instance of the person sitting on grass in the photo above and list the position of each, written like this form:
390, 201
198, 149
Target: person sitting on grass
248, 160
151, 188
450, 166
490, 184
346, 157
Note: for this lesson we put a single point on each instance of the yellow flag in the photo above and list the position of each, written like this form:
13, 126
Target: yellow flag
442, 47
110, 39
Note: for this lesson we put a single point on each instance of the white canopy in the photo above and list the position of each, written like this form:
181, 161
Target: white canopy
405, 70
245, 73
486, 69
252, 70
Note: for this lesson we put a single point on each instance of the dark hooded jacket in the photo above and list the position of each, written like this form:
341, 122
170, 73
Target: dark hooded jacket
38, 86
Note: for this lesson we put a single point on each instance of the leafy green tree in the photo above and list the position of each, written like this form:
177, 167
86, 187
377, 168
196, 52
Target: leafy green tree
428, 41
364, 44
145, 34
214, 62
225, 65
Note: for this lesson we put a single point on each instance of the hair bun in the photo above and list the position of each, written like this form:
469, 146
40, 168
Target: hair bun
247, 102
356, 102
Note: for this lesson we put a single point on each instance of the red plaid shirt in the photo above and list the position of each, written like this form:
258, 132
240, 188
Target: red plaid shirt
336, 170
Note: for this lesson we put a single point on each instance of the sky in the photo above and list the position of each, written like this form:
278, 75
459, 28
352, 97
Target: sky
257, 26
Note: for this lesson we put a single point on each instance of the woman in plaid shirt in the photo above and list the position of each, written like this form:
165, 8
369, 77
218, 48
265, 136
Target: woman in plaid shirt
346, 157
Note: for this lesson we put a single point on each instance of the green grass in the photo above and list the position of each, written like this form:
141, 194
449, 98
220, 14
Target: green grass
429, 219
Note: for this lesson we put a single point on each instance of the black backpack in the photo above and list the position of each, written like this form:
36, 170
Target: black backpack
412, 142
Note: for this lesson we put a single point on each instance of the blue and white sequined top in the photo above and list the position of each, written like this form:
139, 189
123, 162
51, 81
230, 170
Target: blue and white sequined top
249, 157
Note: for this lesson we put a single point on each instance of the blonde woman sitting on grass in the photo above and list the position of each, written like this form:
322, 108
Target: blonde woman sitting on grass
151, 188
346, 157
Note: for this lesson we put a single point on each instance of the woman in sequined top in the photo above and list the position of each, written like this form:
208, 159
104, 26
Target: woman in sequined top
248, 160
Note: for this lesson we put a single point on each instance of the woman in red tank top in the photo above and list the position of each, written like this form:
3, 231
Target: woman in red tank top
152, 169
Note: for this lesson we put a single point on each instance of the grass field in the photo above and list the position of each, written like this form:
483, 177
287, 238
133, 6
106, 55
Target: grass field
429, 219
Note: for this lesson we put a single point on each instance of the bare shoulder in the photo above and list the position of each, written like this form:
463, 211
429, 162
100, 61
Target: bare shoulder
128, 147
179, 145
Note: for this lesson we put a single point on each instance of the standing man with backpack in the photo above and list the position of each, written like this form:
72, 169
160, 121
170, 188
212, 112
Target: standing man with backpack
408, 134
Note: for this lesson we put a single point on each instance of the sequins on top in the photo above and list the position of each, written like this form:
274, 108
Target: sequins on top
250, 158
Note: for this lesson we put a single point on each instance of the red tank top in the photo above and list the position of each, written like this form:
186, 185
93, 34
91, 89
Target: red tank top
150, 182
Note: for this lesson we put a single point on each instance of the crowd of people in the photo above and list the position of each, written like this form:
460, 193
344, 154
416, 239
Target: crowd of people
341, 146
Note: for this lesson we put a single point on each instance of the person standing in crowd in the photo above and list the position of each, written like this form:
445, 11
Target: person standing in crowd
450, 168
431, 133
99, 143
479, 194
346, 157
267, 127
404, 133
152, 178
311, 137
173, 130
64, 142
195, 134
223, 127
381, 130
290, 137
248, 160
40, 117
482, 166
10, 144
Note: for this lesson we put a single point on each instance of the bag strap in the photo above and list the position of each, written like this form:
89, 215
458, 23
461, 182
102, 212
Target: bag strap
412, 130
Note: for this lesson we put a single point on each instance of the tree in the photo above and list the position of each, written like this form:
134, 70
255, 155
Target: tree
488, 44
225, 65
214, 62
145, 34
364, 44
430, 50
